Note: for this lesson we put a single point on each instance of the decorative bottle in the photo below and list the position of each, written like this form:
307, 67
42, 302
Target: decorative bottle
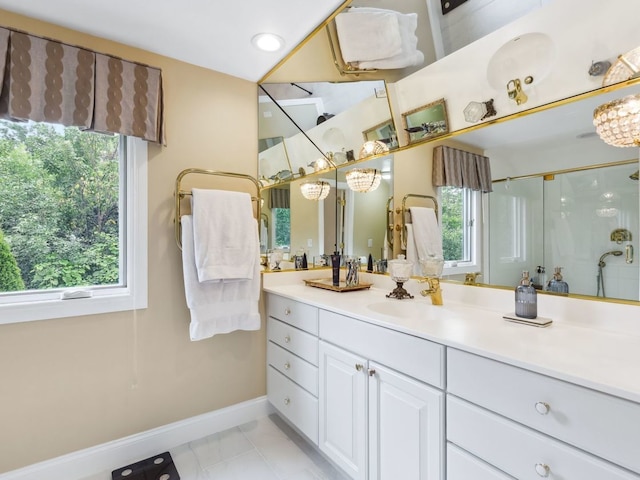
526, 298
557, 284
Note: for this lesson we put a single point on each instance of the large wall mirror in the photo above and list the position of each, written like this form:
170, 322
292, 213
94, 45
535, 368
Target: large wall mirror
560, 195
553, 190
300, 123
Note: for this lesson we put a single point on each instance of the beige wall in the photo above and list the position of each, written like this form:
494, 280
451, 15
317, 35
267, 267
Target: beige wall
71, 383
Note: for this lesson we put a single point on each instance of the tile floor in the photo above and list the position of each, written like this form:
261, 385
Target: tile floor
265, 449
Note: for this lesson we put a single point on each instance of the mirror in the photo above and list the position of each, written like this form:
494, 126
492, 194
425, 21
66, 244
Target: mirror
362, 219
333, 119
461, 79
559, 194
352, 223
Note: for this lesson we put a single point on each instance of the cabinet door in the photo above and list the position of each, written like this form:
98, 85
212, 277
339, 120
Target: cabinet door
406, 438
343, 410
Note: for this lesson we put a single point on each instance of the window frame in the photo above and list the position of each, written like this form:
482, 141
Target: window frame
472, 215
133, 295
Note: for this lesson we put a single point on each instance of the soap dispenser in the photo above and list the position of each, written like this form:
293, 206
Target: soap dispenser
526, 298
540, 280
557, 284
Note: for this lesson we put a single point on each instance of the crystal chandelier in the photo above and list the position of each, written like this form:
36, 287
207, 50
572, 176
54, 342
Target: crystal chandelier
618, 122
363, 180
315, 190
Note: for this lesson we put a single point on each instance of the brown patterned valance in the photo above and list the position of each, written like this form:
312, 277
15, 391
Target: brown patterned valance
48, 81
458, 168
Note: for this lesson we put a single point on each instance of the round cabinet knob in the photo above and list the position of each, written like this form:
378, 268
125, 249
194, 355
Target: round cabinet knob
287, 339
372, 372
359, 367
542, 408
287, 401
287, 311
542, 470
287, 366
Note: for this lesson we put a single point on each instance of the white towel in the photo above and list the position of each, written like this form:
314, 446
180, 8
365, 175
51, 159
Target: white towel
368, 35
225, 235
424, 238
409, 55
217, 306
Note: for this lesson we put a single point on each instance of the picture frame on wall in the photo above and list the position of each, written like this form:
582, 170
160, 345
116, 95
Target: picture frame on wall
426, 122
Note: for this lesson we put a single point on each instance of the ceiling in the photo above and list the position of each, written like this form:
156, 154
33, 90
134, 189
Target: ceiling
208, 33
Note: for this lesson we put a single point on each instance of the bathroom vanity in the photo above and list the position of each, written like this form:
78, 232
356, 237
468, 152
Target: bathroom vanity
391, 388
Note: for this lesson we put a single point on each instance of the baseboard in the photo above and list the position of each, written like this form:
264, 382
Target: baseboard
111, 455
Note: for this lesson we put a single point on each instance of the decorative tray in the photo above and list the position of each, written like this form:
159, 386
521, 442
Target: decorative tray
327, 284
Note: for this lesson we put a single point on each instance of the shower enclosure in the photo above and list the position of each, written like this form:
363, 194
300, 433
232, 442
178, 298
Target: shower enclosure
567, 220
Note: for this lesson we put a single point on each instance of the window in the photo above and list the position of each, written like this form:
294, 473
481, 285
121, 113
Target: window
460, 229
281, 228
73, 213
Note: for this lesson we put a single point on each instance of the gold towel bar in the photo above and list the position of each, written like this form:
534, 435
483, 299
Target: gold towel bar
179, 194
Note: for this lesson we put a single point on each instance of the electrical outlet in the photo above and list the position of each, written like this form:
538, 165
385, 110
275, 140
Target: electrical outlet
370, 243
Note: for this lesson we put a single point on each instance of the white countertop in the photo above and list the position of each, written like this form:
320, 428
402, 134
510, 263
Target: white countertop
574, 348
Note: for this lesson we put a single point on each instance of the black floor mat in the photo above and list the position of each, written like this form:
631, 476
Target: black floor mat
158, 467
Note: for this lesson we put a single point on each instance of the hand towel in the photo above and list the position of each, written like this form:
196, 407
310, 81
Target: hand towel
368, 35
225, 235
217, 306
409, 55
424, 238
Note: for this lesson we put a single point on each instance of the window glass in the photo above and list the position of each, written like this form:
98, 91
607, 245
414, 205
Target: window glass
59, 207
282, 228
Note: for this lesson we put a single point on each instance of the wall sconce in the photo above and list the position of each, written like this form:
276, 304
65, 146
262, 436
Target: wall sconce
626, 67
363, 180
476, 111
315, 190
618, 122
373, 147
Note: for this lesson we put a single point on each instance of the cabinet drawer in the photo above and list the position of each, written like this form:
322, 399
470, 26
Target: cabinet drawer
594, 421
294, 403
462, 466
293, 367
300, 315
296, 341
413, 356
520, 451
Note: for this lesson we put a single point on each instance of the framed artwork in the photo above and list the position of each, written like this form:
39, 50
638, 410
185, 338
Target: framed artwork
426, 122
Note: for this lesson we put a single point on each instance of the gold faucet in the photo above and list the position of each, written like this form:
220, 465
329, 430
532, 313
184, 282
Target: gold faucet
514, 89
471, 278
434, 290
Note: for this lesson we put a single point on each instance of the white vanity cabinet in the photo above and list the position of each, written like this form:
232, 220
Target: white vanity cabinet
530, 425
292, 362
375, 422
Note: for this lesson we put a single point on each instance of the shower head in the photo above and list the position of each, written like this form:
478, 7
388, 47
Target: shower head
634, 176
615, 253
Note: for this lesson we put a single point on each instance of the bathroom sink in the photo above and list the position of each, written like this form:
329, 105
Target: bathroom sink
399, 308
526, 55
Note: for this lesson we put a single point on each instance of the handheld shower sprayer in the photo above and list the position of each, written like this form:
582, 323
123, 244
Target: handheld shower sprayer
615, 253
601, 265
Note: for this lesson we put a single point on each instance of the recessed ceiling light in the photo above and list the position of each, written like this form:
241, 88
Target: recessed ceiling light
268, 42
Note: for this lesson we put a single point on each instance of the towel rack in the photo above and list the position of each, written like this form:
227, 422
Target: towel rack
389, 222
179, 194
404, 212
